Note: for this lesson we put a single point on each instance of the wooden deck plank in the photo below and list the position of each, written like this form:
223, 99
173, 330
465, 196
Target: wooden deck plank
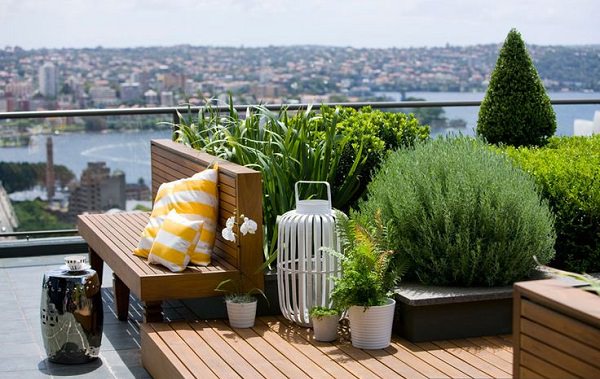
485, 354
205, 351
493, 348
391, 361
452, 360
227, 353
158, 358
290, 350
277, 348
262, 365
415, 362
472, 359
183, 351
500, 342
426, 356
331, 350
324, 362
285, 363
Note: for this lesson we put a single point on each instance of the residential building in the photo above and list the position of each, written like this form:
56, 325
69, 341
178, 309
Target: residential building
48, 80
98, 190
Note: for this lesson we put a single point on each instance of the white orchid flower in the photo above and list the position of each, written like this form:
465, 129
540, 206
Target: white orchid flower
230, 222
228, 234
248, 226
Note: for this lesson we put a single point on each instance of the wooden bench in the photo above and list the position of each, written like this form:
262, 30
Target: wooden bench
112, 237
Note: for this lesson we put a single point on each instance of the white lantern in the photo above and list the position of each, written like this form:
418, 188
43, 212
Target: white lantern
304, 271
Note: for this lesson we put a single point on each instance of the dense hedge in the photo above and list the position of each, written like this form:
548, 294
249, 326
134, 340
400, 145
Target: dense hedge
373, 134
463, 213
516, 109
568, 173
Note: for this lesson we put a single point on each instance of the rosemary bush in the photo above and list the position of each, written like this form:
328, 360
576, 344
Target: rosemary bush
463, 213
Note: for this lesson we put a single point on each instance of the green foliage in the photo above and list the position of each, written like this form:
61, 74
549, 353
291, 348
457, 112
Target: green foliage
337, 145
462, 212
370, 268
320, 312
516, 109
32, 215
19, 176
234, 291
142, 208
567, 171
375, 133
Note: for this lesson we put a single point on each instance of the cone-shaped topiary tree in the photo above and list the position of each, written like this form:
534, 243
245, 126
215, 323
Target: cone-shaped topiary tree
516, 109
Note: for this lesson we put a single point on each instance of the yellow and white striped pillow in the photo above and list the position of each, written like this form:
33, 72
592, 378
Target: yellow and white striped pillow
198, 199
175, 241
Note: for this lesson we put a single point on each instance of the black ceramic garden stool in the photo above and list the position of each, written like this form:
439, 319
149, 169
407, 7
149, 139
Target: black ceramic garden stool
71, 315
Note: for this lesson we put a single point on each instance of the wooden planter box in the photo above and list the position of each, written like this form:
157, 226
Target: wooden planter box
556, 330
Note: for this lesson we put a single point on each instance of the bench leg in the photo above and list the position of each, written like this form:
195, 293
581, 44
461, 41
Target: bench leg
121, 298
153, 311
97, 264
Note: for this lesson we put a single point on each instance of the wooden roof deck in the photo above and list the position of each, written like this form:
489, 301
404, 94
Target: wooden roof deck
276, 348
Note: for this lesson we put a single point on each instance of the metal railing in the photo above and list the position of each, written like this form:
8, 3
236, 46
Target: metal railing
175, 113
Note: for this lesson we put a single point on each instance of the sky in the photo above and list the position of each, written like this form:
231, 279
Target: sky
357, 23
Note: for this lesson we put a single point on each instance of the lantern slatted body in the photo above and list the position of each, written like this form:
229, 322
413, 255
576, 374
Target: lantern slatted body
304, 270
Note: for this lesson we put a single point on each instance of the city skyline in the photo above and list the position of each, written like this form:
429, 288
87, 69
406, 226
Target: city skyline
375, 24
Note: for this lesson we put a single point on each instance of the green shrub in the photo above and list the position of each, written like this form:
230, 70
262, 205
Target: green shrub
376, 133
516, 109
307, 145
463, 213
568, 173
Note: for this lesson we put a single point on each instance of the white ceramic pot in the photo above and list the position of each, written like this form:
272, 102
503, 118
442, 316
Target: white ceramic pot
326, 327
371, 328
241, 315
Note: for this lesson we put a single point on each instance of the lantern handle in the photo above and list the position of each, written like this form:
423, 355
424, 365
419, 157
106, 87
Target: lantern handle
313, 182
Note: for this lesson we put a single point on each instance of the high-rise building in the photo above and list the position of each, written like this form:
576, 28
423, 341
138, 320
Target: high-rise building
130, 92
166, 99
98, 190
48, 80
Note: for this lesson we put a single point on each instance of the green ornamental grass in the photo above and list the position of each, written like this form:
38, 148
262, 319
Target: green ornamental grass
288, 147
463, 213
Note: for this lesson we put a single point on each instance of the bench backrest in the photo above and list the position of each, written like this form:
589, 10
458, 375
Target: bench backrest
240, 193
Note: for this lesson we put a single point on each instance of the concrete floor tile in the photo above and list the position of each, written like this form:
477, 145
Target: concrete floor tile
22, 363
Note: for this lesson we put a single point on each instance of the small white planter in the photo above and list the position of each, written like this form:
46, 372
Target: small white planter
241, 315
371, 328
326, 327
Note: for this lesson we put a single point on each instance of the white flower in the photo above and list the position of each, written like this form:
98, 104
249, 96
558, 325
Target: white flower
248, 226
228, 234
230, 222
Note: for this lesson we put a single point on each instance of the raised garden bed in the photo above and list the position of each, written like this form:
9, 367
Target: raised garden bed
428, 313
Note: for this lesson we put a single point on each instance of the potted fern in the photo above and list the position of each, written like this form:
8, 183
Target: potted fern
370, 270
325, 323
